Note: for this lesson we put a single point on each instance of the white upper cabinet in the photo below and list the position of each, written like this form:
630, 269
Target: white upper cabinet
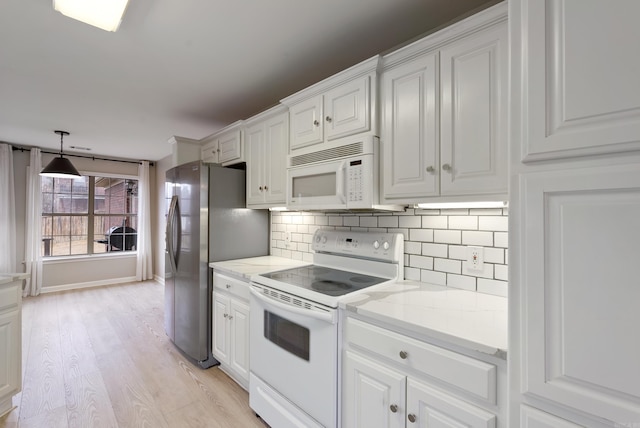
336, 107
266, 140
225, 146
444, 113
580, 78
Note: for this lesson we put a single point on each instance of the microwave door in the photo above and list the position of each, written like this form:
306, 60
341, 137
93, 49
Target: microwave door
318, 186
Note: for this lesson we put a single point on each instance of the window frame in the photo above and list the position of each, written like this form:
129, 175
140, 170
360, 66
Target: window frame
90, 215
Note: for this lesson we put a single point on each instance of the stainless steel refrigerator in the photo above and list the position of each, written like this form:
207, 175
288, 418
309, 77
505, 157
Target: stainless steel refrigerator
206, 221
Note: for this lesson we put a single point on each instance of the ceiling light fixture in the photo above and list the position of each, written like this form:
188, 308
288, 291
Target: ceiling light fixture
103, 14
60, 167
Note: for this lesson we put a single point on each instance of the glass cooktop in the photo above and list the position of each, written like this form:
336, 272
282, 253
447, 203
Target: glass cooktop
325, 280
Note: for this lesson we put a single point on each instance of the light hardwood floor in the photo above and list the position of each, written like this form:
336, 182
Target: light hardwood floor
100, 358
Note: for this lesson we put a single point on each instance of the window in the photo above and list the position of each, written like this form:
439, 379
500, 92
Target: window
88, 215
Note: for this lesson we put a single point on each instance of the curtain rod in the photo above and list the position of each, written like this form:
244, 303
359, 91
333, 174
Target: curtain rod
27, 149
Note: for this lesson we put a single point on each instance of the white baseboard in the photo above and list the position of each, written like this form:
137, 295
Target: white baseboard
159, 279
54, 288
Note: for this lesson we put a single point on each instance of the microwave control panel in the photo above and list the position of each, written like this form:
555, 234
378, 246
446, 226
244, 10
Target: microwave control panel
355, 181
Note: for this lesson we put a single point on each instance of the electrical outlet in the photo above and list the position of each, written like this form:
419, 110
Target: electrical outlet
475, 258
287, 238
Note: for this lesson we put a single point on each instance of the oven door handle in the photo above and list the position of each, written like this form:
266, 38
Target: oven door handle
329, 317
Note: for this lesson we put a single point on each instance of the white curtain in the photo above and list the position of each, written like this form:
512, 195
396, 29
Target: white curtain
33, 222
144, 265
7, 211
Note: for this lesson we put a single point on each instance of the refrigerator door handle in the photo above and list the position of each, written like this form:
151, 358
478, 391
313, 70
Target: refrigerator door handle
169, 233
178, 225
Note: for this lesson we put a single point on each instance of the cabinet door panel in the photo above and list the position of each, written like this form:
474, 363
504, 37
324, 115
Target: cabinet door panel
369, 391
410, 132
347, 109
10, 373
275, 158
220, 329
473, 114
239, 332
255, 141
434, 409
581, 78
230, 146
306, 123
533, 418
580, 294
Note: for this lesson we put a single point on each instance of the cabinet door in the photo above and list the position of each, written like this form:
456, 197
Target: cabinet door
430, 408
409, 131
533, 418
306, 123
210, 152
255, 145
230, 146
10, 373
220, 328
579, 297
579, 77
347, 109
373, 395
239, 338
473, 132
275, 159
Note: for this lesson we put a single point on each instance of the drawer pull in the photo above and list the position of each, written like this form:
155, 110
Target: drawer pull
411, 417
393, 408
228, 285
404, 355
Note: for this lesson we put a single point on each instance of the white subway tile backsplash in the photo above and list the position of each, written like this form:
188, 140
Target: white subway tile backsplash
421, 235
447, 236
421, 262
435, 250
435, 241
434, 222
465, 222
494, 223
432, 277
447, 265
410, 221
483, 239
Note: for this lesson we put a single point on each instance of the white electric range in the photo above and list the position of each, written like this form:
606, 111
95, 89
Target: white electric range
294, 355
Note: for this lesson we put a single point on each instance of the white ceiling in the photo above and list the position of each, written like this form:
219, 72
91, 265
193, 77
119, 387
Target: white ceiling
184, 68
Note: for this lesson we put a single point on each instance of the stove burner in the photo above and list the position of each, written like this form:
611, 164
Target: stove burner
362, 279
328, 285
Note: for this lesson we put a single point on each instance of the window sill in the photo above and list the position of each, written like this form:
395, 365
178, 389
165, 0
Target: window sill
87, 257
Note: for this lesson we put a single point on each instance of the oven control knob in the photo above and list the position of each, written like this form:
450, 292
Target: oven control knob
324, 239
376, 244
318, 239
385, 245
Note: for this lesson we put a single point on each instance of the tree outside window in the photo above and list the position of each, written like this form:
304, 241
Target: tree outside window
88, 215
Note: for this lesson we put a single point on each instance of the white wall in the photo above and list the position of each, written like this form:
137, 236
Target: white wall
80, 271
435, 242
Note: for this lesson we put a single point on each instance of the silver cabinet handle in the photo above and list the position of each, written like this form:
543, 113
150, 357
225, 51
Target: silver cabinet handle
430, 169
403, 355
266, 188
228, 285
260, 188
226, 315
411, 417
446, 167
328, 119
393, 408
230, 317
316, 123
218, 150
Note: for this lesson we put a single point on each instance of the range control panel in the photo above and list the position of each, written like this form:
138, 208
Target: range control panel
387, 247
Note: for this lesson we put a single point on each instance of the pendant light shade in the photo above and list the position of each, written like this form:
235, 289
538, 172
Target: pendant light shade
60, 167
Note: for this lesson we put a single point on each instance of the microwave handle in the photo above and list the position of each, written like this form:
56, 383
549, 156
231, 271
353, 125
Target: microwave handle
341, 182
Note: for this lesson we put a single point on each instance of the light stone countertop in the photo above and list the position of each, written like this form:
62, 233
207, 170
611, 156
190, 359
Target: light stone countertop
469, 319
7, 278
244, 268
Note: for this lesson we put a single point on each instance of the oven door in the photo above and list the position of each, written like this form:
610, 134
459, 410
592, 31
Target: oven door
294, 351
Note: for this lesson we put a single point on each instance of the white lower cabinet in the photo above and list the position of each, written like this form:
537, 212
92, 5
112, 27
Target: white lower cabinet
231, 327
390, 380
10, 343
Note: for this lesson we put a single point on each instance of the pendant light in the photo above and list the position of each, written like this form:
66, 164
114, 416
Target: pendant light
60, 167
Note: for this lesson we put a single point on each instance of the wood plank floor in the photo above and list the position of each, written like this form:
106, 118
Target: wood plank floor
99, 357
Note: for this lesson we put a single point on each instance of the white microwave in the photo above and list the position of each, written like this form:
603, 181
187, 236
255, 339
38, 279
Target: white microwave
341, 177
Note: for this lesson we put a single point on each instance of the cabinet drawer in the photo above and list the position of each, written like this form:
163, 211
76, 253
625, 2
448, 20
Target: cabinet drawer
475, 377
10, 295
234, 286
